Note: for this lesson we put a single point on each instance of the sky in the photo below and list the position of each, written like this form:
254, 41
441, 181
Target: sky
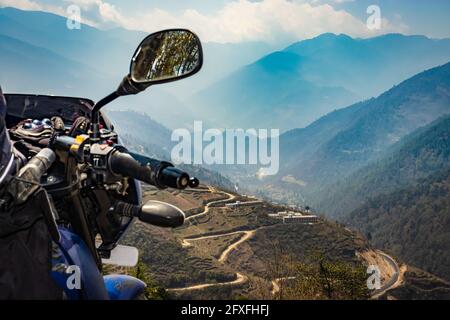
270, 21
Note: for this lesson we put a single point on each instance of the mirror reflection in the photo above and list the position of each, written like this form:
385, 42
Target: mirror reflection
166, 55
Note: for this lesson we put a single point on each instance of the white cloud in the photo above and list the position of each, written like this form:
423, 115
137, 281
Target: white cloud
237, 21
267, 20
21, 4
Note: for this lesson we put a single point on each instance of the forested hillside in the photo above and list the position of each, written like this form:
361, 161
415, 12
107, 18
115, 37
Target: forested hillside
413, 224
417, 156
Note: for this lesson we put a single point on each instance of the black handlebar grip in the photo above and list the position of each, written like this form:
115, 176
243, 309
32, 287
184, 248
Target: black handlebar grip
174, 178
124, 164
158, 173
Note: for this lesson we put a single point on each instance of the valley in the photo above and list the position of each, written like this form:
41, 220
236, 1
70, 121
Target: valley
239, 248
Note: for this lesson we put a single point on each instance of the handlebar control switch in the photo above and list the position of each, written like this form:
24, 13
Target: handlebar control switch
99, 156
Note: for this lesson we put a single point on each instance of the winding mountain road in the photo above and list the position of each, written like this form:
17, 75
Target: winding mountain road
240, 278
393, 281
247, 235
209, 204
187, 242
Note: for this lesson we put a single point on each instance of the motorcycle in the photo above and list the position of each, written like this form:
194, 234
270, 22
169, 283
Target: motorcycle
88, 183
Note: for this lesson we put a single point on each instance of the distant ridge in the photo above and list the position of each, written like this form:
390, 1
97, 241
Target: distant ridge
293, 87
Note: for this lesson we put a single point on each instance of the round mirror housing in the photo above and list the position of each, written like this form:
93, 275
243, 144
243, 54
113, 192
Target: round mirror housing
166, 56
163, 56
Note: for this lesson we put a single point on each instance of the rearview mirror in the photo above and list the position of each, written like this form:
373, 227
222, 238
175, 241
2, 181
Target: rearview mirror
163, 56
166, 56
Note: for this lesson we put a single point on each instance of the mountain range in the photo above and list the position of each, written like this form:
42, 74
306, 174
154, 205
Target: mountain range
293, 87
346, 140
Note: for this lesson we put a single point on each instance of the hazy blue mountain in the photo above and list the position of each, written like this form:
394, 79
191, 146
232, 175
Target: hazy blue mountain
105, 51
417, 156
310, 78
270, 93
24, 66
45, 46
220, 60
369, 66
344, 141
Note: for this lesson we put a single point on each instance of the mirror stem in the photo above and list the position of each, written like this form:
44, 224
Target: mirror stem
95, 133
127, 87
96, 109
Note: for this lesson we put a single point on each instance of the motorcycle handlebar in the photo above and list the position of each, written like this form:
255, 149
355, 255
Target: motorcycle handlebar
158, 173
